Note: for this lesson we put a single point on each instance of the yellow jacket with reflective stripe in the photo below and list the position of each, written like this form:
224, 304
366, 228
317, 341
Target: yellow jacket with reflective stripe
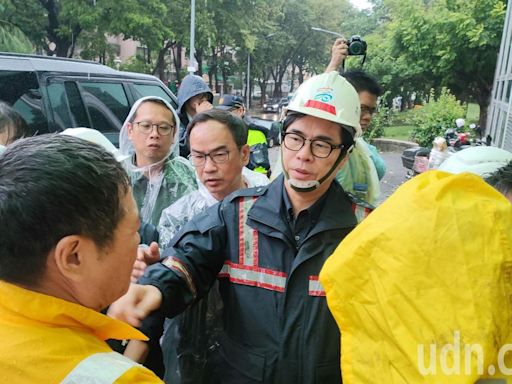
428, 270
44, 338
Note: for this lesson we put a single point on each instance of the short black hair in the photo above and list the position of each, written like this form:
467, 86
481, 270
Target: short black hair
12, 123
502, 179
362, 81
346, 138
235, 124
52, 186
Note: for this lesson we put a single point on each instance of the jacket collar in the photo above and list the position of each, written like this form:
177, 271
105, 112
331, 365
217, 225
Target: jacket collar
267, 209
30, 306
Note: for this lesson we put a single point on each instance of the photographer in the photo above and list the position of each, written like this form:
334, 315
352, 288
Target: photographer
361, 174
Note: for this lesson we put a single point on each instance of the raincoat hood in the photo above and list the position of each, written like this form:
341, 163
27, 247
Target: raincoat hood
359, 174
125, 144
156, 185
430, 269
191, 86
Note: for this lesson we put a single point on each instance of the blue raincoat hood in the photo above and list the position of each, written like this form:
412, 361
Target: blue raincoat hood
191, 86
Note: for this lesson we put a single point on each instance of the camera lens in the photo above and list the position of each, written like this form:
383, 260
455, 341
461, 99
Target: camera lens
356, 46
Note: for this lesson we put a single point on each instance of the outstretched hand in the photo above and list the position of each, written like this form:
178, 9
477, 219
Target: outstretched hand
146, 255
136, 304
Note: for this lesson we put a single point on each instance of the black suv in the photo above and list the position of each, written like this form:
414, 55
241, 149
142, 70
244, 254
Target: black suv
53, 94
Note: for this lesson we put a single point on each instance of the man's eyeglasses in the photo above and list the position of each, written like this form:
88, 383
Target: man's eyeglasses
146, 127
319, 148
199, 159
365, 109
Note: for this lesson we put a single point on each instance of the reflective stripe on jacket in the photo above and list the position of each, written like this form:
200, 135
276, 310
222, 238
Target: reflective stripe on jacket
277, 327
100, 368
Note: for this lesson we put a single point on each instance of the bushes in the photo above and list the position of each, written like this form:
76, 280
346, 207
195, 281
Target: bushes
379, 121
435, 117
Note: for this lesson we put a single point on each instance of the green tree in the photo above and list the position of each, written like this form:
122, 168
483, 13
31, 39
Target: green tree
448, 43
12, 39
436, 116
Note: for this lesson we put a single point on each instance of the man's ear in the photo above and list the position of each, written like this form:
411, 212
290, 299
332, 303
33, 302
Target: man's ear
129, 127
245, 152
69, 256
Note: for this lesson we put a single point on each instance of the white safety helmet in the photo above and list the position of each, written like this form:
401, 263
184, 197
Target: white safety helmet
329, 96
460, 122
96, 137
481, 161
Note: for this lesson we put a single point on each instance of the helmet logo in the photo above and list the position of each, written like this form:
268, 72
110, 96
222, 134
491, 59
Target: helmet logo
321, 99
324, 95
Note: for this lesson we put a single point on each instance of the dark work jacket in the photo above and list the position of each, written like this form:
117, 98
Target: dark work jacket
277, 331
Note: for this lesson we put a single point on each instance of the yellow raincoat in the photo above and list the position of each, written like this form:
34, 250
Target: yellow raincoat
48, 340
422, 289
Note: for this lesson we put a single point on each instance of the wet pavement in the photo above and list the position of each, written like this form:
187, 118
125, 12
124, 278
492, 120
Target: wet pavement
395, 174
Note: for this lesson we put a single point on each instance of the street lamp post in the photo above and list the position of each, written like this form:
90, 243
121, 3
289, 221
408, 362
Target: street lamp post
248, 86
326, 31
191, 65
335, 34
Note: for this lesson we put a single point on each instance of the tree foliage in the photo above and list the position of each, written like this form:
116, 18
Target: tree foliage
413, 45
12, 39
437, 115
451, 43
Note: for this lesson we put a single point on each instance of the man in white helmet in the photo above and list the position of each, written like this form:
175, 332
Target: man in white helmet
266, 245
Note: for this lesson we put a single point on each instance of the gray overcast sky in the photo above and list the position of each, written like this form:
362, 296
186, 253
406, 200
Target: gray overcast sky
361, 4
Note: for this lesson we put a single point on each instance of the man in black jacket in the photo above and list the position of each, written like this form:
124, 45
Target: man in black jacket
267, 245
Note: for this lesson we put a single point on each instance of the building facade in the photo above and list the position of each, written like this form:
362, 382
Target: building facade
499, 119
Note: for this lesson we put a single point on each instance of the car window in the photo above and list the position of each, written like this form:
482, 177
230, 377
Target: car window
152, 90
106, 103
67, 106
21, 91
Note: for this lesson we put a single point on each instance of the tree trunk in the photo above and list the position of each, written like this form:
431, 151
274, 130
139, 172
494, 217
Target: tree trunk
301, 75
159, 69
292, 84
225, 75
483, 98
177, 61
263, 87
62, 44
213, 67
199, 58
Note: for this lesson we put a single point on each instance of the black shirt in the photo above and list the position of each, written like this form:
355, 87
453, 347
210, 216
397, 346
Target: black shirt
305, 220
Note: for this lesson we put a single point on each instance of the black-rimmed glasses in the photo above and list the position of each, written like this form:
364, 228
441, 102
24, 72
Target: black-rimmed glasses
146, 127
319, 148
199, 159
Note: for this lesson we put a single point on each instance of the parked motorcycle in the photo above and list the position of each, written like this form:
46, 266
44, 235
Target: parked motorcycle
416, 159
